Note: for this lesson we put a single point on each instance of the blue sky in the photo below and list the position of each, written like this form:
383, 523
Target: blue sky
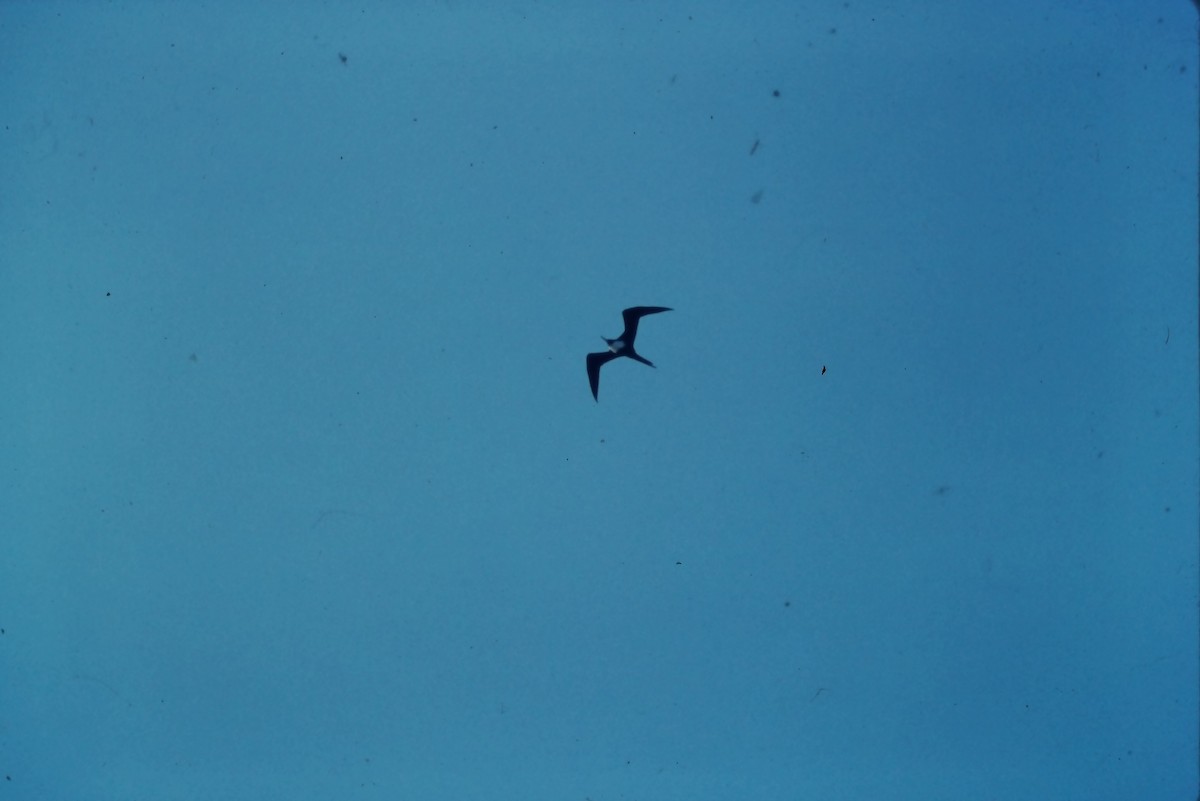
305, 493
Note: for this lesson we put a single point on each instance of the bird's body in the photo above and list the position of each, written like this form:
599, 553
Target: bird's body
621, 346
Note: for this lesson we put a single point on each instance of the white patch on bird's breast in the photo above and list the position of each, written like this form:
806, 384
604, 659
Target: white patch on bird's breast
616, 346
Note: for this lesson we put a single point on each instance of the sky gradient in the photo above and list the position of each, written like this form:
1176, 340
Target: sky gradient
306, 496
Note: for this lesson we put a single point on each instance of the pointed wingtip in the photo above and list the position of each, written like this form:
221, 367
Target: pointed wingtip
594, 362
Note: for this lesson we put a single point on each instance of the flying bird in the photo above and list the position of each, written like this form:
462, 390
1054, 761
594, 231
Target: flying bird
621, 346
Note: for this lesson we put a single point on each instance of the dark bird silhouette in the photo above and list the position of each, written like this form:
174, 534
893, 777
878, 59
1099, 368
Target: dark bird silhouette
621, 346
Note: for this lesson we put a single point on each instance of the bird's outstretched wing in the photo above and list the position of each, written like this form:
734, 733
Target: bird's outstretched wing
594, 362
632, 315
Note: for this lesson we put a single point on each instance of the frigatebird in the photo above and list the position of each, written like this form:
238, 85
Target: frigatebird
621, 346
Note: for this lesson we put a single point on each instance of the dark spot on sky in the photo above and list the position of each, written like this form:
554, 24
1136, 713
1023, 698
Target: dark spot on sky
342, 57
942, 489
775, 93
756, 197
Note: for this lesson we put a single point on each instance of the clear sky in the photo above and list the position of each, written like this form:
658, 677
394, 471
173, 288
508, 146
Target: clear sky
305, 494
